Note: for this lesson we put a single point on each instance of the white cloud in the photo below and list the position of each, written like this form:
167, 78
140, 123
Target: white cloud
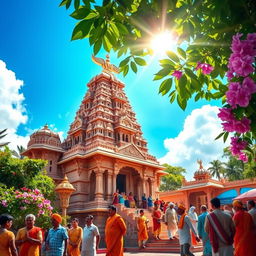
12, 110
195, 141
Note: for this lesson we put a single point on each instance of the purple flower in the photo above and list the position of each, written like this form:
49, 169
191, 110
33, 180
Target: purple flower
249, 85
177, 74
206, 68
4, 203
242, 65
226, 114
243, 157
237, 145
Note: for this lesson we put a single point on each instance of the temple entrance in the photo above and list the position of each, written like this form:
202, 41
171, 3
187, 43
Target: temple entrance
121, 182
197, 199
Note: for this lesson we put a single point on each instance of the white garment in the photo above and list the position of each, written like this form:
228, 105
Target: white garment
193, 217
89, 240
171, 219
184, 234
224, 251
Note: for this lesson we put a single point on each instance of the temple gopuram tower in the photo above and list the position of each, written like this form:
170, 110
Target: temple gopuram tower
104, 149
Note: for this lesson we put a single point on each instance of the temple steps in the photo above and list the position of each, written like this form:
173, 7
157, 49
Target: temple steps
163, 246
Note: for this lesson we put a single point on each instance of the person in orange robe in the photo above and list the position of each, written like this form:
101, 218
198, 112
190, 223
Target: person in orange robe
245, 239
142, 230
75, 235
114, 231
156, 215
29, 238
7, 238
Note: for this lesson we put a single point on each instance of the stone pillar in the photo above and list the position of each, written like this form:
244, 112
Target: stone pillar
109, 186
144, 189
208, 193
99, 185
114, 182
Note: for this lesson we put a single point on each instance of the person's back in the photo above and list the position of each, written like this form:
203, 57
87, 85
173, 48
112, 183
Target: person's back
5, 237
226, 222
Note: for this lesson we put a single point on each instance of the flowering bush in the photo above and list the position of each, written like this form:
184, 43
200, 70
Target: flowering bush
21, 202
238, 115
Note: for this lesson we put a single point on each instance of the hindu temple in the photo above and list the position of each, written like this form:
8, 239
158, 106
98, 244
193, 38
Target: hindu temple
104, 149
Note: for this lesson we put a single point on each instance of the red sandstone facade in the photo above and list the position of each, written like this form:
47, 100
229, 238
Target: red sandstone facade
201, 190
104, 150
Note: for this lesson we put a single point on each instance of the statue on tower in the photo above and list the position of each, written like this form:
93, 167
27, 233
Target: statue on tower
106, 65
200, 162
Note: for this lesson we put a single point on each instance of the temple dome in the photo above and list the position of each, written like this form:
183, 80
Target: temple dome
45, 136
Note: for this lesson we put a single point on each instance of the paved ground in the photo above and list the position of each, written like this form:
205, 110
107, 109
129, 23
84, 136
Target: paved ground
157, 254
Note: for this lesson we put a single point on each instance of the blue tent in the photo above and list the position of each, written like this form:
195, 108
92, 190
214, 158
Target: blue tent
227, 196
243, 190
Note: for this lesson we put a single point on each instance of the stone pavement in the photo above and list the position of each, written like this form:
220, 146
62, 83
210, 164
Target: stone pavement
156, 254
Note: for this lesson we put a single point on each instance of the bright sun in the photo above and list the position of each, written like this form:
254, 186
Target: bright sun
163, 42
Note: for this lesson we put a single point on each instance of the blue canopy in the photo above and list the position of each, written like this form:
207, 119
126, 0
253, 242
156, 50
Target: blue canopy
227, 196
243, 190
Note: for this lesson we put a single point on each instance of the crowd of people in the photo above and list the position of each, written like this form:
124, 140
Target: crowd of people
223, 232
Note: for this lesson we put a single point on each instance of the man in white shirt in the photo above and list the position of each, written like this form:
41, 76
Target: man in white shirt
171, 221
184, 227
252, 210
91, 238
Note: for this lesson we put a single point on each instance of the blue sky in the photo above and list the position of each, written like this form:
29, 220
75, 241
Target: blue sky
35, 45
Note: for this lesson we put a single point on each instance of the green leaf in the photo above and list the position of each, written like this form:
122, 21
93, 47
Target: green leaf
81, 30
183, 81
68, 3
106, 44
198, 96
173, 96
126, 70
181, 52
80, 13
173, 56
122, 29
140, 61
76, 4
225, 136
97, 46
220, 135
165, 86
167, 62
163, 72
182, 102
134, 67
124, 62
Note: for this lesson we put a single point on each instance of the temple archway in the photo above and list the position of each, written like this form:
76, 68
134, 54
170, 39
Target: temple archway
197, 199
129, 180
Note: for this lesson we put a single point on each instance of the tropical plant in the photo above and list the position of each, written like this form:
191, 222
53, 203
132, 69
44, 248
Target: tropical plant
18, 153
216, 169
203, 31
173, 180
21, 202
2, 135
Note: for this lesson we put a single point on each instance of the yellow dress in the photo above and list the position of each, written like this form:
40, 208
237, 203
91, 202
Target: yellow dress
28, 248
5, 238
142, 226
75, 236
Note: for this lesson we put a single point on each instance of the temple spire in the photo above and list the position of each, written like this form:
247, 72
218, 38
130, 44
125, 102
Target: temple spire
105, 64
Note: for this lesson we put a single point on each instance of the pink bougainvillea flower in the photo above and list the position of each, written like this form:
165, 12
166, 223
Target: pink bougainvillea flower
243, 157
237, 145
226, 114
177, 74
206, 68
242, 65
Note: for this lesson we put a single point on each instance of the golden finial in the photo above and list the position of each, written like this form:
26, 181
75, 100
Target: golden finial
105, 64
200, 162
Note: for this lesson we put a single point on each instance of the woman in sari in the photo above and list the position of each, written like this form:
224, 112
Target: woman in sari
156, 215
245, 238
194, 220
115, 197
131, 200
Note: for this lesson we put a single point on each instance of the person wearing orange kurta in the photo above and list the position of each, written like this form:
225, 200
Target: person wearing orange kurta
75, 235
29, 238
114, 231
245, 239
156, 215
142, 230
7, 238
